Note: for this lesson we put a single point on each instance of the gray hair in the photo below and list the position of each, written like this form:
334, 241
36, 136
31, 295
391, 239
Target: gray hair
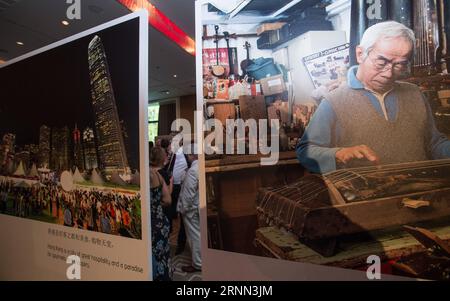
385, 30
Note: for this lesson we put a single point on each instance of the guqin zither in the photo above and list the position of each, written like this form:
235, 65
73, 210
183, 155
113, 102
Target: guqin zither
358, 200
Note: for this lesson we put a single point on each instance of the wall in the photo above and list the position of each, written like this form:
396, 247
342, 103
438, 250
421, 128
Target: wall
186, 106
339, 13
167, 114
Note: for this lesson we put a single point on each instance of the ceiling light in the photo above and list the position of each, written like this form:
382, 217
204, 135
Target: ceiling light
65, 22
20, 43
175, 75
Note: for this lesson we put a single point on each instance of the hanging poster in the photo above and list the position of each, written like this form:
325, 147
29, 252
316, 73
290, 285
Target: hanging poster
327, 66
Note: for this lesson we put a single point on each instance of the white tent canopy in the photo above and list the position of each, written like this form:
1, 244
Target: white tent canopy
116, 179
20, 171
77, 177
33, 172
96, 178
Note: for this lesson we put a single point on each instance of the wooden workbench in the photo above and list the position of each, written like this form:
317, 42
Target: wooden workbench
389, 244
232, 187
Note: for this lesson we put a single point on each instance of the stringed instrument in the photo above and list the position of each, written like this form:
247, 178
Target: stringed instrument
426, 27
230, 55
349, 201
247, 62
217, 70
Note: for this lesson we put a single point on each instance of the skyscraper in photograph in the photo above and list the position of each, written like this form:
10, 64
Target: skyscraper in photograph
111, 147
60, 155
78, 159
89, 150
33, 150
7, 150
44, 146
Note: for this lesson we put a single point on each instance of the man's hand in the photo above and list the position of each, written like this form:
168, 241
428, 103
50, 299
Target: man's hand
360, 152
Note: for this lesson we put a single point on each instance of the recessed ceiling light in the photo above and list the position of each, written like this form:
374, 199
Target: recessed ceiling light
65, 22
175, 75
20, 43
167, 92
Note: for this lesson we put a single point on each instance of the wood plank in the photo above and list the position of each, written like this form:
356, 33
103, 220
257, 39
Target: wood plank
236, 167
220, 101
389, 244
242, 159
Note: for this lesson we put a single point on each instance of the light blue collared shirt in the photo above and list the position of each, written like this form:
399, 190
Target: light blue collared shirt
315, 150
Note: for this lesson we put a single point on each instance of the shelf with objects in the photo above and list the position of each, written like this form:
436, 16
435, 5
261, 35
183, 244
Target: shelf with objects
256, 70
281, 63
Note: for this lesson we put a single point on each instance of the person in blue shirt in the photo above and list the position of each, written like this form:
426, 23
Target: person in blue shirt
374, 118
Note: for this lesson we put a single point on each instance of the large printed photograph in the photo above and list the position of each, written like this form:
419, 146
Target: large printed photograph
361, 92
69, 134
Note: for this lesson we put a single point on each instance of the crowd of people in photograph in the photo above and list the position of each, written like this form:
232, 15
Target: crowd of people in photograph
174, 193
92, 209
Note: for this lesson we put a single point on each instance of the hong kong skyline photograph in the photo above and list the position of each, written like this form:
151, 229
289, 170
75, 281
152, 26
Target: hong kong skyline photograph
69, 134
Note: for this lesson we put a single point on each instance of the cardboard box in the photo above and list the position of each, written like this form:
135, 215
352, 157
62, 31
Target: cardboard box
269, 26
273, 85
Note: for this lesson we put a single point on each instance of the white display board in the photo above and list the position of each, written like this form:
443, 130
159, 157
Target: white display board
74, 174
219, 264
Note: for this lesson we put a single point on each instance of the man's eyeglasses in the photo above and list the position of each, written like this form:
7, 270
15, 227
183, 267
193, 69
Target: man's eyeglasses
383, 64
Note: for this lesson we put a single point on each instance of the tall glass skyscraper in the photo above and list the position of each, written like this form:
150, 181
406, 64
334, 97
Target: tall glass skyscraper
89, 150
44, 146
111, 147
7, 150
60, 154
78, 159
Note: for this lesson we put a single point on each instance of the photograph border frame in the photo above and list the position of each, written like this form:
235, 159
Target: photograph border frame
143, 40
220, 265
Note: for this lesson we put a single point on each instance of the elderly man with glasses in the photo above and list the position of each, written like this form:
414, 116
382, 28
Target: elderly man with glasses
374, 118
